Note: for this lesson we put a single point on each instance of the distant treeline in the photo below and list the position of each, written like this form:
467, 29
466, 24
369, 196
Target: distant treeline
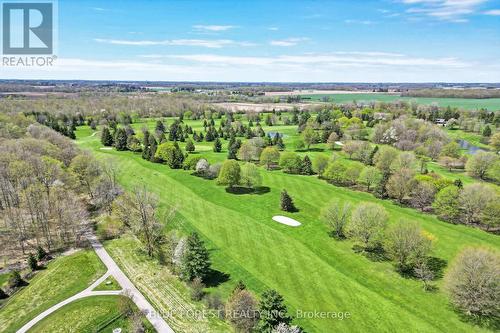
453, 93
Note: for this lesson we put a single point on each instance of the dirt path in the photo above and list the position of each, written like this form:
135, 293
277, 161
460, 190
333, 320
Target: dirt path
142, 303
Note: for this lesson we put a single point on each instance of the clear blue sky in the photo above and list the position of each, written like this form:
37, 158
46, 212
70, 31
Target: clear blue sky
309, 41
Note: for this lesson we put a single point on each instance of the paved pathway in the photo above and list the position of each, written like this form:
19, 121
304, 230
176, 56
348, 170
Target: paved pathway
142, 303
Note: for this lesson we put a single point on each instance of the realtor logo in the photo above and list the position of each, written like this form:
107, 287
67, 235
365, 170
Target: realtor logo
28, 28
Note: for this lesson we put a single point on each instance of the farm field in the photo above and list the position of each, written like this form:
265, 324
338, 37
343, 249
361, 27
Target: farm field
62, 278
464, 103
311, 270
91, 314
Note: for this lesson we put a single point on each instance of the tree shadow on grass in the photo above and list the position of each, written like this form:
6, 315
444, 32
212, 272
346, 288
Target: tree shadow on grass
376, 254
437, 266
215, 278
238, 190
315, 149
492, 323
334, 235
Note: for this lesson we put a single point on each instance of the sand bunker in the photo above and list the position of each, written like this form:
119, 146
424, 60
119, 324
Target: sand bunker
286, 220
106, 148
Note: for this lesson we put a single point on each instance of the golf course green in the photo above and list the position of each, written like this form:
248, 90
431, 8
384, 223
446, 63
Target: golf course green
321, 279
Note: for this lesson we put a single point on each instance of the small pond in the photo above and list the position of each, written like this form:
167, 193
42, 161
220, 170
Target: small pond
471, 149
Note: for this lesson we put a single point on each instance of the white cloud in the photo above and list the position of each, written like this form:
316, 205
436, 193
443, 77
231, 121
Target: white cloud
494, 12
208, 43
273, 28
288, 41
337, 59
445, 10
340, 67
215, 28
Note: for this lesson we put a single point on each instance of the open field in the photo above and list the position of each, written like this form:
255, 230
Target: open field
311, 270
319, 92
62, 278
464, 103
254, 107
91, 314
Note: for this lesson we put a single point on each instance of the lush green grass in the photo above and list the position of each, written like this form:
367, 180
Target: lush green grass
62, 278
464, 103
109, 284
3, 279
90, 314
472, 138
311, 270
164, 290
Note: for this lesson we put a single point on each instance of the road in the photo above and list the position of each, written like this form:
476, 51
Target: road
142, 303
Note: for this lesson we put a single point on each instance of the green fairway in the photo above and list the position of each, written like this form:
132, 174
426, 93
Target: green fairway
464, 103
311, 270
90, 314
62, 278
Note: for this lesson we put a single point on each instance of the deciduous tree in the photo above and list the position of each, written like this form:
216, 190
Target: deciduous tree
230, 173
336, 214
472, 282
367, 224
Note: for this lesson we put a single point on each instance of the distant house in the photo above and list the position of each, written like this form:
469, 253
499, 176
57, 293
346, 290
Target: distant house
440, 121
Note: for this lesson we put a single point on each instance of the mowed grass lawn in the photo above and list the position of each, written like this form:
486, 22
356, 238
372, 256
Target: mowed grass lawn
63, 277
90, 314
311, 270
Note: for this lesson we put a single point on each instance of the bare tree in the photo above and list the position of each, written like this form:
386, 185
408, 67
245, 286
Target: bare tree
472, 282
138, 210
336, 215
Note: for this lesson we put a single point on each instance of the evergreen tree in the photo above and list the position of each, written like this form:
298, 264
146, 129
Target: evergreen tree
286, 202
210, 135
273, 311
106, 137
458, 183
159, 128
232, 149
487, 131
190, 146
32, 262
380, 190
175, 132
121, 139
372, 155
40, 253
152, 148
279, 142
162, 138
217, 145
196, 259
3, 295
15, 280
307, 166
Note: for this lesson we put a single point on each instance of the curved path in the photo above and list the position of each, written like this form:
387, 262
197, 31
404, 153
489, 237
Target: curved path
142, 303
